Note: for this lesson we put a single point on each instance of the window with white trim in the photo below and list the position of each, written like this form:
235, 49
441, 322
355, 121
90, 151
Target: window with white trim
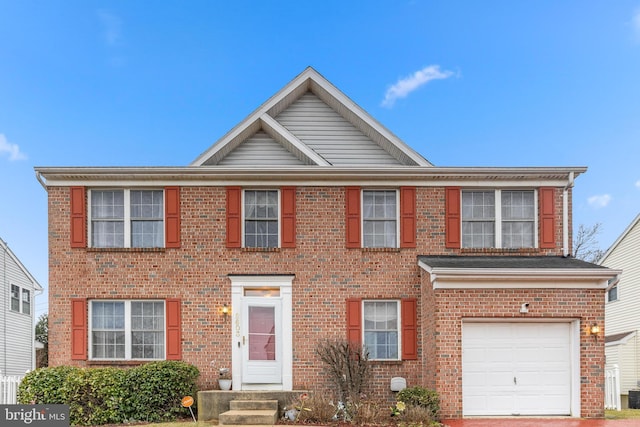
380, 218
612, 294
20, 300
261, 218
124, 218
381, 329
499, 218
126, 330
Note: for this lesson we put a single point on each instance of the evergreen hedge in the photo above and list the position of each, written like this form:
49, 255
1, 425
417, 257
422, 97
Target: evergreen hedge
149, 392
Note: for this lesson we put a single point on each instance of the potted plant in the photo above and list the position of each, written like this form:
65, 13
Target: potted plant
224, 379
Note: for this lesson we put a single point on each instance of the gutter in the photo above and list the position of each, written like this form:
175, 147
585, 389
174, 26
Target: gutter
41, 181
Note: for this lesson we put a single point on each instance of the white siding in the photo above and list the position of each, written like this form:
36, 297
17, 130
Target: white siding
330, 135
623, 315
260, 149
16, 329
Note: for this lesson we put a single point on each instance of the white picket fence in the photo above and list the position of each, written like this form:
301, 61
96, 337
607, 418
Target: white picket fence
9, 389
612, 387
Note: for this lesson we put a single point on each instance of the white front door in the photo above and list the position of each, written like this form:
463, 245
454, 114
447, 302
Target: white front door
261, 340
516, 368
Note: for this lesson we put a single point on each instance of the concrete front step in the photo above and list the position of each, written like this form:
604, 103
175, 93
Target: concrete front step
249, 417
253, 404
250, 412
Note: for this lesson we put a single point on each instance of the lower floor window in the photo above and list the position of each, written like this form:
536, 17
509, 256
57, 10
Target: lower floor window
127, 330
381, 329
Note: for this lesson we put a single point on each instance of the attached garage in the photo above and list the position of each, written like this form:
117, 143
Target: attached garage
517, 368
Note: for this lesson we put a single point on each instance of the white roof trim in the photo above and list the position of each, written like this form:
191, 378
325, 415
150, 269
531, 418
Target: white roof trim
275, 129
619, 239
518, 278
308, 80
13, 256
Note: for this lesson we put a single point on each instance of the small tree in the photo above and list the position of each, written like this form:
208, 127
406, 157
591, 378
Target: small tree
347, 366
42, 335
585, 243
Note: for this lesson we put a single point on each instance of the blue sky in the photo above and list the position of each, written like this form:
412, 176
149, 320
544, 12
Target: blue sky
465, 83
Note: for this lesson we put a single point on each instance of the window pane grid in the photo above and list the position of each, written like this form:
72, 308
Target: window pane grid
144, 211
15, 298
379, 213
261, 218
518, 219
381, 329
141, 321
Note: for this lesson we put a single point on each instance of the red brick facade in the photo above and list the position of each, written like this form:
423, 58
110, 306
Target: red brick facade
326, 274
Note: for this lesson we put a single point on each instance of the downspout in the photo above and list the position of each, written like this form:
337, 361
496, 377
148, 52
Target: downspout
565, 215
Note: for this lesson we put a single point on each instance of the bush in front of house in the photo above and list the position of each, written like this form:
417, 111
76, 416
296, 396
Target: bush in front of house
421, 402
150, 392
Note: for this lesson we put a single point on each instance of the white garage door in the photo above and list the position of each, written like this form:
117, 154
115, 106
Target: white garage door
516, 368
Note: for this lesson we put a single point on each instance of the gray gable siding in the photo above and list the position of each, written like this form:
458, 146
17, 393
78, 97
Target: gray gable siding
331, 135
260, 149
17, 347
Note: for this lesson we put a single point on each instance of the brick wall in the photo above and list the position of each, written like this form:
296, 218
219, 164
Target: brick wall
326, 274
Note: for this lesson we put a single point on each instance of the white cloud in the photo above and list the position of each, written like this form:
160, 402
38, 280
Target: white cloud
638, 183
599, 201
12, 149
111, 26
405, 86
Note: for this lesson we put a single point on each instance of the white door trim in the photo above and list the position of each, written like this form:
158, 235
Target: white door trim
285, 284
574, 344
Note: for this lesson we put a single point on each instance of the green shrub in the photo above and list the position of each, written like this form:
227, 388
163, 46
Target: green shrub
150, 392
421, 397
157, 388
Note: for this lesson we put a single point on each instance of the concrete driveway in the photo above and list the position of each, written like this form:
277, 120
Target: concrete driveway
540, 422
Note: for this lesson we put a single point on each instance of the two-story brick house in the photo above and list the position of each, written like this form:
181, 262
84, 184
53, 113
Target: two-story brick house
309, 220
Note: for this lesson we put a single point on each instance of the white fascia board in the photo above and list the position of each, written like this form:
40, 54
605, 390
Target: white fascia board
518, 278
271, 125
306, 175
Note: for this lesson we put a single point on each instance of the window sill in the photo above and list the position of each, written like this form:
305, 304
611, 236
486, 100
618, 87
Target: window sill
260, 249
386, 362
380, 249
126, 249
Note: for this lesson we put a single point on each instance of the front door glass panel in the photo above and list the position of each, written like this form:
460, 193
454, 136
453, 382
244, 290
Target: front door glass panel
262, 335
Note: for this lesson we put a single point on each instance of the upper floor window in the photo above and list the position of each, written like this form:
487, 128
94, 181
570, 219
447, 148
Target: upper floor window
381, 329
20, 300
127, 218
380, 218
261, 218
127, 329
612, 294
499, 219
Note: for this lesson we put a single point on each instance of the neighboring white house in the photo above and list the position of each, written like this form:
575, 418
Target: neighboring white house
17, 302
622, 309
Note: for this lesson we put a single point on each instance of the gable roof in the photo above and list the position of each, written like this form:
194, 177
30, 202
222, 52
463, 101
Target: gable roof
310, 122
8, 251
619, 239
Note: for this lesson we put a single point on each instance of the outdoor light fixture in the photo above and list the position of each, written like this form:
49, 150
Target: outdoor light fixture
595, 329
225, 310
